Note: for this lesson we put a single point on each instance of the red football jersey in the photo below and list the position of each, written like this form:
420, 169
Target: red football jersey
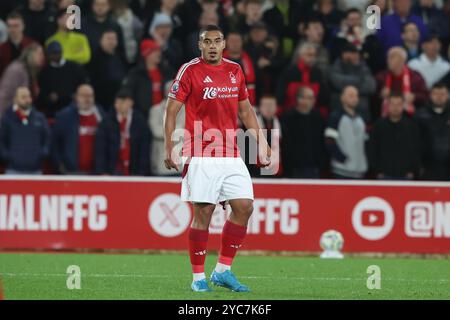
210, 95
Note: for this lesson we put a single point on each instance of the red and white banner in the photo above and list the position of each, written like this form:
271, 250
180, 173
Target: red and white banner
289, 215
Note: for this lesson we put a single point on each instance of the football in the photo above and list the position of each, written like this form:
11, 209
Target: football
331, 240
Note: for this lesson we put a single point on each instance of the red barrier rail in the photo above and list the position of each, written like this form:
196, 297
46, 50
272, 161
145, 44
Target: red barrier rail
60, 212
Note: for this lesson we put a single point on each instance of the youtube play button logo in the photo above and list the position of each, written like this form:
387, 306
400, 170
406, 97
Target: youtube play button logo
373, 218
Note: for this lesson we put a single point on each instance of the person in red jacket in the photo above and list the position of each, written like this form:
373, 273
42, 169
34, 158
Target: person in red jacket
398, 78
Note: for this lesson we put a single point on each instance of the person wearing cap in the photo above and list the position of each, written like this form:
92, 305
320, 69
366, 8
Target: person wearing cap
24, 136
146, 80
351, 70
122, 140
75, 45
58, 80
160, 30
430, 64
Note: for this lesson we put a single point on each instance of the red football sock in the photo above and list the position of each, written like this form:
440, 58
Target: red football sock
232, 238
198, 241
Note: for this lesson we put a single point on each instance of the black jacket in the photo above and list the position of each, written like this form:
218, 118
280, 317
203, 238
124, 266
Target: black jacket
394, 148
140, 85
302, 145
435, 132
107, 145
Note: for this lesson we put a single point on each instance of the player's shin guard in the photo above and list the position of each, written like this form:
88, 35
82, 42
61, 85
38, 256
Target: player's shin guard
232, 238
198, 241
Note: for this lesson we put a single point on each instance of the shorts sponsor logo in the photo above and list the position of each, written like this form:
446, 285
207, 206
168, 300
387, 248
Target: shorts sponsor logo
373, 218
168, 215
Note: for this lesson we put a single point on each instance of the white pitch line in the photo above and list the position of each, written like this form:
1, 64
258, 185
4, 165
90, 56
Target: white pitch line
100, 275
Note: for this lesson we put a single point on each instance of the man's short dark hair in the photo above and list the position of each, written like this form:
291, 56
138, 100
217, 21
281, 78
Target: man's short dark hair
439, 85
124, 93
352, 10
396, 94
15, 15
407, 24
210, 27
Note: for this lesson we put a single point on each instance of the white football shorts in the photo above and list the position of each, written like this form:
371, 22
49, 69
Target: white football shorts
214, 180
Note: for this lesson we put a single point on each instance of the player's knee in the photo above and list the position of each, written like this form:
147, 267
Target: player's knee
246, 209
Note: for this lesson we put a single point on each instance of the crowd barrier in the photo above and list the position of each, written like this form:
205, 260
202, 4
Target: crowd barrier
67, 212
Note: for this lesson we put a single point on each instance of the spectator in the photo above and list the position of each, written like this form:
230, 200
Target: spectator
235, 52
73, 134
330, 16
191, 43
314, 34
190, 13
97, 22
351, 30
411, 37
434, 19
431, 66
354, 31
253, 13
349, 70
267, 59
39, 20
146, 80
24, 136
75, 45
273, 17
122, 140
161, 31
132, 29
395, 144
345, 138
23, 72
303, 149
401, 79
434, 121
107, 69
58, 81
389, 34
302, 72
156, 124
16, 42
268, 121
170, 8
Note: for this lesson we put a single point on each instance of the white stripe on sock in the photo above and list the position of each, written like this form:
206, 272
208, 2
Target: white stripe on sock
199, 276
220, 267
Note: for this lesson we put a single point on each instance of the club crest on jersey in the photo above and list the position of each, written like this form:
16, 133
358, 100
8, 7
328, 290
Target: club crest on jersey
232, 78
175, 87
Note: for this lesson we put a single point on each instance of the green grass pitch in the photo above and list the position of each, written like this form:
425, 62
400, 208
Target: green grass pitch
156, 276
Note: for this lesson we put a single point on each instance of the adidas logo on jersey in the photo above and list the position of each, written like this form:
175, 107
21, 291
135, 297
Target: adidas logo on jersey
207, 80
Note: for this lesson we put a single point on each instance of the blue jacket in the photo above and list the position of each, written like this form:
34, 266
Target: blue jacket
65, 139
107, 145
23, 147
390, 34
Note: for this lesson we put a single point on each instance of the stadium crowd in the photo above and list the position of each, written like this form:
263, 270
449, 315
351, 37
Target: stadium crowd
350, 101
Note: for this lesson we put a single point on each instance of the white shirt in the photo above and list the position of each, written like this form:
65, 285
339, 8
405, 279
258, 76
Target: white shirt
431, 71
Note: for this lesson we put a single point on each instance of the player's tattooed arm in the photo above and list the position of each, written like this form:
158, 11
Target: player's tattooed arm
170, 117
248, 117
